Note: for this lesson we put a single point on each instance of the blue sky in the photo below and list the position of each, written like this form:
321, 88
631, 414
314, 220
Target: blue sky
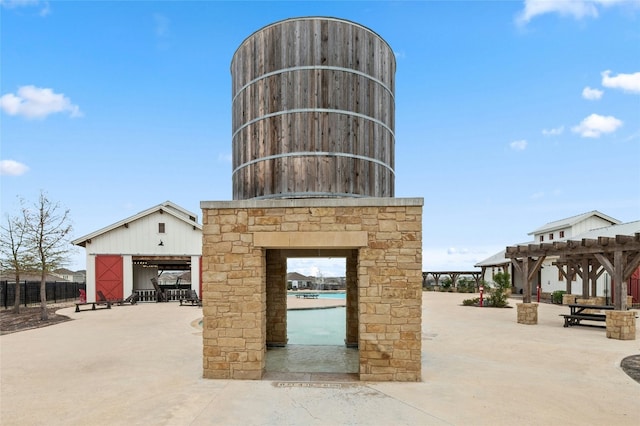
509, 114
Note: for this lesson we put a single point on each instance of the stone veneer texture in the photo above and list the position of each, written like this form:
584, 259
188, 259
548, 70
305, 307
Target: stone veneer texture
387, 234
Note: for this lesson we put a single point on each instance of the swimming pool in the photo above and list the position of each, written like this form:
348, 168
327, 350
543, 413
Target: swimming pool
338, 295
317, 326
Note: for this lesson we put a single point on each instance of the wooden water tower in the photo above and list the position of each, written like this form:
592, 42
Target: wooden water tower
313, 112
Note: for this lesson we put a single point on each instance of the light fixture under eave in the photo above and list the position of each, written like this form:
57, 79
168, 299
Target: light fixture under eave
161, 243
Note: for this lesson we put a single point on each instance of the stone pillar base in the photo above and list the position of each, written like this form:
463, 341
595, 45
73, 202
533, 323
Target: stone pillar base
621, 325
527, 313
568, 299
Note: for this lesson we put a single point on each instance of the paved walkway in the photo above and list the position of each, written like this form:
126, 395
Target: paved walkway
139, 365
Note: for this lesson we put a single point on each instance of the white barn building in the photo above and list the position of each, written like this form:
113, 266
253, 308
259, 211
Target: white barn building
122, 258
591, 225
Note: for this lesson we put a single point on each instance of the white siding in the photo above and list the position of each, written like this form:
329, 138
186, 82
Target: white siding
142, 238
587, 225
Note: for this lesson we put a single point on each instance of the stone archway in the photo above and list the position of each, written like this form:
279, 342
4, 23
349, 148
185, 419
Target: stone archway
243, 247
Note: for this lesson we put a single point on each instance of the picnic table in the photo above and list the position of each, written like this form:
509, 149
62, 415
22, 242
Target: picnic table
307, 295
577, 314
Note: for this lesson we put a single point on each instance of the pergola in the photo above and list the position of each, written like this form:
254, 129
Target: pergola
588, 258
454, 275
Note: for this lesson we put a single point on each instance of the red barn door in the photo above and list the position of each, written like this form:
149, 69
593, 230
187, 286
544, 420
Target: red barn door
109, 276
633, 288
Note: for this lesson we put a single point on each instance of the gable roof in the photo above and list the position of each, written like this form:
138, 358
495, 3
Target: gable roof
570, 221
496, 259
629, 228
294, 276
166, 207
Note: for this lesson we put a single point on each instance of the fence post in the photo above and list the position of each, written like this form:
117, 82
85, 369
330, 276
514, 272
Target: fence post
25, 293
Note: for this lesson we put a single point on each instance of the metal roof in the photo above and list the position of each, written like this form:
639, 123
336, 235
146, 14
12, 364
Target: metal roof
570, 221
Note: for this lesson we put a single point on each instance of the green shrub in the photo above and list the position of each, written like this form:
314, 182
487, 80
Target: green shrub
466, 285
556, 296
498, 293
471, 302
446, 284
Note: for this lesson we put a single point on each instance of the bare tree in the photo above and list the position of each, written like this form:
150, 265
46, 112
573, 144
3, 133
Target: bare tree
47, 229
14, 253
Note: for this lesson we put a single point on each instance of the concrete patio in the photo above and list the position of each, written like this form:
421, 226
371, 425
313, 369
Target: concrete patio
143, 365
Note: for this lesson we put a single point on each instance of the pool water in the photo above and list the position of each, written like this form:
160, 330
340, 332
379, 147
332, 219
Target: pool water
317, 326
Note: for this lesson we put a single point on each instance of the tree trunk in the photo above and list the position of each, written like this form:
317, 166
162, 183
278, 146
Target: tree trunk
44, 314
16, 302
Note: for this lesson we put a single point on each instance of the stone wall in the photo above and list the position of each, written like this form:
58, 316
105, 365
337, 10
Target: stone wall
527, 313
387, 234
621, 325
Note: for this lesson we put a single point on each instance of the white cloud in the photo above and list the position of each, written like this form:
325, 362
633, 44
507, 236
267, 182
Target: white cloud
453, 259
12, 4
591, 94
553, 132
224, 158
37, 102
315, 267
537, 195
577, 9
595, 125
162, 24
626, 82
12, 168
518, 145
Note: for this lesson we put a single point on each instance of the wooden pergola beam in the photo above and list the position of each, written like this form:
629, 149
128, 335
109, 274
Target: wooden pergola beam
619, 256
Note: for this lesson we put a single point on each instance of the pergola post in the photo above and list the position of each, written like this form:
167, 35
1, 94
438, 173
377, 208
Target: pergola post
585, 278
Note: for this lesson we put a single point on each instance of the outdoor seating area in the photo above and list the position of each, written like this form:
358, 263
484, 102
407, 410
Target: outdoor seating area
472, 356
192, 299
581, 312
307, 295
94, 306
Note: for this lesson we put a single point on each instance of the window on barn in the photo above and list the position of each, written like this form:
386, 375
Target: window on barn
561, 234
161, 228
551, 236
541, 237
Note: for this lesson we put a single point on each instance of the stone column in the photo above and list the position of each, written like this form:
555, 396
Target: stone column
234, 301
352, 299
276, 277
527, 313
621, 325
390, 296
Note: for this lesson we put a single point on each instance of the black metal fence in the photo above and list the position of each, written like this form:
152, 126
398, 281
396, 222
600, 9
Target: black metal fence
57, 291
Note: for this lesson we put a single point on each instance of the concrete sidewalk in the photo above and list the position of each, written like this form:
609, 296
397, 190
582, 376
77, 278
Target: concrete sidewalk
135, 365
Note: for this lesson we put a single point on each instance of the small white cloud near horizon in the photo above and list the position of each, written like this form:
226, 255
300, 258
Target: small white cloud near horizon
12, 168
453, 259
37, 102
553, 132
578, 9
625, 82
595, 125
520, 145
592, 94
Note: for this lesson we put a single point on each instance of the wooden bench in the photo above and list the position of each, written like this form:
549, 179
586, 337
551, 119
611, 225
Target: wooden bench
575, 319
94, 305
